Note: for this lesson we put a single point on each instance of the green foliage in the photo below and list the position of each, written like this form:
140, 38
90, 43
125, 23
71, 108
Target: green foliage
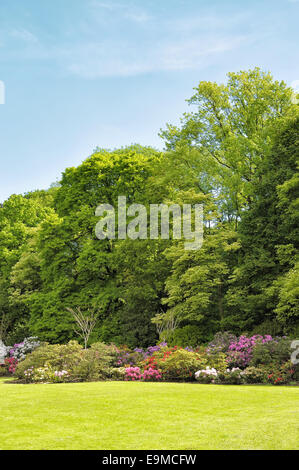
263, 284
268, 327
217, 361
81, 364
254, 375
58, 357
280, 375
232, 129
3, 371
274, 352
188, 335
89, 368
288, 304
198, 280
237, 154
117, 373
230, 377
20, 217
180, 365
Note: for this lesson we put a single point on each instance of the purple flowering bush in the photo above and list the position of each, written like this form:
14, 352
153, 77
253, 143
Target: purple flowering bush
240, 352
126, 357
20, 350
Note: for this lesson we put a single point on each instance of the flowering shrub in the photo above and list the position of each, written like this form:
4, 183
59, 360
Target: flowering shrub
206, 375
45, 375
178, 364
133, 373
216, 360
281, 375
20, 350
11, 364
241, 351
58, 356
226, 360
127, 358
61, 374
152, 375
181, 364
151, 363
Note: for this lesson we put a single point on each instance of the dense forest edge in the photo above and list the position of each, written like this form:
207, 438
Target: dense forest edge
235, 152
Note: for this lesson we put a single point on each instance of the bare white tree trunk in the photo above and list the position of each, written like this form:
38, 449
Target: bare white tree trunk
86, 321
166, 323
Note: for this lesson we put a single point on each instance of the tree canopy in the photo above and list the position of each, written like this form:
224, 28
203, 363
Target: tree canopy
237, 154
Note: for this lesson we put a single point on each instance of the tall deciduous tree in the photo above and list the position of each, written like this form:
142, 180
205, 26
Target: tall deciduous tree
232, 129
270, 239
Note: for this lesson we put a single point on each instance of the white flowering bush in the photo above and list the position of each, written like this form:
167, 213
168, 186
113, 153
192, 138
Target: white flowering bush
207, 375
20, 350
45, 374
4, 350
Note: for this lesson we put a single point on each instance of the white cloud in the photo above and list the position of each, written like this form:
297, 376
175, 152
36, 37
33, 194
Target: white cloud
112, 51
191, 54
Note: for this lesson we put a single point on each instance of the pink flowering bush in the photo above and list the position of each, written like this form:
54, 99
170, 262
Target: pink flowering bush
152, 375
240, 352
133, 373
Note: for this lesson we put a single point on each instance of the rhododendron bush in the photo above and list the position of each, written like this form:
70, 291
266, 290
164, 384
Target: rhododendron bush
240, 351
20, 350
225, 360
207, 375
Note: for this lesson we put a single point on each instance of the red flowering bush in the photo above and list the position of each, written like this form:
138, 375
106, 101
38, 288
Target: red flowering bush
282, 375
151, 363
11, 364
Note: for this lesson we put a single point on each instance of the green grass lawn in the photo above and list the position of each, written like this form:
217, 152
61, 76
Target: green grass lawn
121, 415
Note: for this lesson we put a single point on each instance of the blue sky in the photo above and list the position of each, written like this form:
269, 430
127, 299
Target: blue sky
85, 73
